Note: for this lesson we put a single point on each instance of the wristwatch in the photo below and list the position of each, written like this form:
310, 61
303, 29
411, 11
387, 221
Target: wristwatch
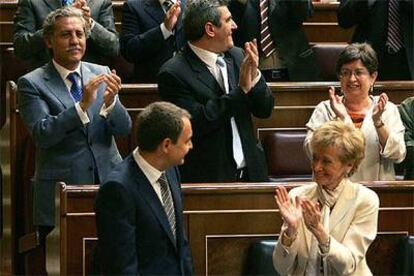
324, 247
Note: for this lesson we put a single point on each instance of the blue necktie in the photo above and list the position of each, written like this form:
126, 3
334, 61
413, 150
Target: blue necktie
67, 2
75, 89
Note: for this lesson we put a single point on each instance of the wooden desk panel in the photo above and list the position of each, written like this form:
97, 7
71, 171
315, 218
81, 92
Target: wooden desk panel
223, 220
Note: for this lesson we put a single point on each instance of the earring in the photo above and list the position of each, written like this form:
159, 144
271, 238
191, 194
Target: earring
371, 89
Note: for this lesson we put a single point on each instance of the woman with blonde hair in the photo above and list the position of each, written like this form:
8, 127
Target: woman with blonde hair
328, 225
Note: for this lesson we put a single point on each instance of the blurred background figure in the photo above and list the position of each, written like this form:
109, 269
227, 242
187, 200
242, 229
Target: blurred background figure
152, 32
407, 116
28, 33
376, 117
388, 26
285, 54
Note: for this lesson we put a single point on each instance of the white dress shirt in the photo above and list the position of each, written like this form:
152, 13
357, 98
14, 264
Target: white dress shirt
151, 173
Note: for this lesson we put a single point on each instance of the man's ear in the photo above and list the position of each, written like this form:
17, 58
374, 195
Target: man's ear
166, 145
48, 42
209, 28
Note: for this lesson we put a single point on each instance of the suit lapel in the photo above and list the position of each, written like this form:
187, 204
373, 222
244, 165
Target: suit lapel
154, 9
312, 196
148, 194
56, 86
343, 205
201, 71
230, 72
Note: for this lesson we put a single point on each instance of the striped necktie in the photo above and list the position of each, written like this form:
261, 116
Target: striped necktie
75, 89
167, 202
394, 40
266, 43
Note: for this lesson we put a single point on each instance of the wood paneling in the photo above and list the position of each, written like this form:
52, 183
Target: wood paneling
294, 105
223, 220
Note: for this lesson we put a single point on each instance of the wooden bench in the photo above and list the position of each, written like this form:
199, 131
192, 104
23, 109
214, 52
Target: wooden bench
294, 105
222, 221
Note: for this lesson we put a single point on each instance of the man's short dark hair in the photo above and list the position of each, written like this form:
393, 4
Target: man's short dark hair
198, 13
158, 121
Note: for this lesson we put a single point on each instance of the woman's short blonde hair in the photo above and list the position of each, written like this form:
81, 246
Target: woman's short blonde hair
347, 139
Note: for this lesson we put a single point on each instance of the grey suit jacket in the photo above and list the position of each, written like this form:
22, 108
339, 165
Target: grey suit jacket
352, 228
28, 33
66, 150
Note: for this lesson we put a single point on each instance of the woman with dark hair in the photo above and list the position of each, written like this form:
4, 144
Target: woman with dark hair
376, 117
328, 225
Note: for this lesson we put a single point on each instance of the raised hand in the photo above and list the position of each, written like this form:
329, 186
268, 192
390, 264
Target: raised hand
379, 108
249, 65
86, 11
311, 215
90, 90
291, 212
113, 85
336, 103
171, 17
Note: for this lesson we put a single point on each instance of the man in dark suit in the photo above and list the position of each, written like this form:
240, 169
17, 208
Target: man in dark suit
28, 33
139, 211
389, 30
72, 112
284, 50
151, 34
221, 88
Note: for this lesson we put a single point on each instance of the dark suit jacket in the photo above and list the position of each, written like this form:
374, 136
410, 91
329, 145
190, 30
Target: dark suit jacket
66, 150
134, 235
28, 33
186, 81
372, 24
142, 42
406, 109
285, 23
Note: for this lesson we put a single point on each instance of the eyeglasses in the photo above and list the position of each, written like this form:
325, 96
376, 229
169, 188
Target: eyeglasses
358, 73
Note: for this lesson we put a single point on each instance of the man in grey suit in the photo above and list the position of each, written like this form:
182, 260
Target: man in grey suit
72, 112
28, 33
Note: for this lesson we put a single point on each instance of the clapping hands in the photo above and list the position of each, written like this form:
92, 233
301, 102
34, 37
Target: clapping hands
249, 65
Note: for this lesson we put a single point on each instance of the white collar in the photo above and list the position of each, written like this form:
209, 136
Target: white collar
149, 171
209, 58
63, 72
